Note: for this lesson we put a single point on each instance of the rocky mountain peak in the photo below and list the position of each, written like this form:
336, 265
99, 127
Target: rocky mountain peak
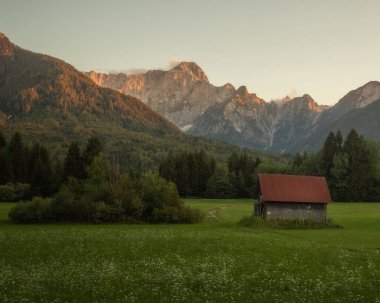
242, 91
6, 46
305, 102
229, 86
368, 93
358, 98
192, 69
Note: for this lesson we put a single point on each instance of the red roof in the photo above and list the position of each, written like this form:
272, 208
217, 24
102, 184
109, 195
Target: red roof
289, 188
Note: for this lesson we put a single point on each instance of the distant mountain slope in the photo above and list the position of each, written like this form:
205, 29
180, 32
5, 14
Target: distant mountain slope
50, 101
31, 81
250, 121
359, 109
184, 96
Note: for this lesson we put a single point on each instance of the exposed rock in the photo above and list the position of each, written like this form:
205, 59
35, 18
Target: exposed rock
184, 96
250, 121
181, 94
6, 47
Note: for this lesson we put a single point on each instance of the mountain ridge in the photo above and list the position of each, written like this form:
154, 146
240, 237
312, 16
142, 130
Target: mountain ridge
188, 102
50, 102
236, 115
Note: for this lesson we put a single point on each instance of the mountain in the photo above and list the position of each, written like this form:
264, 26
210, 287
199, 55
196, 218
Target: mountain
250, 121
31, 82
185, 97
359, 109
49, 101
180, 94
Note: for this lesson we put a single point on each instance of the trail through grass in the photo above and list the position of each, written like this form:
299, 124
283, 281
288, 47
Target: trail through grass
214, 261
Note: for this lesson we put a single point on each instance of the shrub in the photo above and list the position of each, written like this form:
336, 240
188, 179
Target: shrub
70, 204
162, 203
14, 191
104, 212
126, 190
95, 199
39, 210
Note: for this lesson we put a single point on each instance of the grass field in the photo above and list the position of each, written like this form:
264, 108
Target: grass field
214, 261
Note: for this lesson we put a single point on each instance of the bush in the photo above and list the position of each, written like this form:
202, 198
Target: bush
39, 210
95, 199
126, 190
109, 212
70, 204
162, 203
14, 191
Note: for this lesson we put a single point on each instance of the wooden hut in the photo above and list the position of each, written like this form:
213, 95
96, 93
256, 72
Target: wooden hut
292, 197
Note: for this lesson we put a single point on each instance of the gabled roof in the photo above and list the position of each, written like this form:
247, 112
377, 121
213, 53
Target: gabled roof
289, 188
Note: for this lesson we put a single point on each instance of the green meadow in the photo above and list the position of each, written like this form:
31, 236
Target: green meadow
213, 261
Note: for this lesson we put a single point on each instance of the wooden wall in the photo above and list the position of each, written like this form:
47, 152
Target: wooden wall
293, 211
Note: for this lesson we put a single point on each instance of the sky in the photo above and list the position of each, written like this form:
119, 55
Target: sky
274, 47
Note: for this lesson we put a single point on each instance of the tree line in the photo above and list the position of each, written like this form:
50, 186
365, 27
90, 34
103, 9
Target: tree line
85, 187
351, 166
197, 174
27, 171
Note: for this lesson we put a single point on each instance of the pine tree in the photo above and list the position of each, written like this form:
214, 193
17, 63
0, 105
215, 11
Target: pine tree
18, 157
74, 164
93, 148
219, 186
339, 142
328, 152
361, 173
3, 142
340, 170
40, 172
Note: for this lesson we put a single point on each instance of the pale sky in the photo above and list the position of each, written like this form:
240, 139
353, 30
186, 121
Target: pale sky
323, 48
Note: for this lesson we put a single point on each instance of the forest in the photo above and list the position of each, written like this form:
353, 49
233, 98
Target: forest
351, 166
88, 187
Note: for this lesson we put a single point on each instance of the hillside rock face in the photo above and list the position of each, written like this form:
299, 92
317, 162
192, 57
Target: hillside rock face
185, 97
359, 110
250, 121
180, 94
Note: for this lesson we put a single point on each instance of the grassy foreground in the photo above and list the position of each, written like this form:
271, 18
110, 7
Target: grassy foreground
214, 261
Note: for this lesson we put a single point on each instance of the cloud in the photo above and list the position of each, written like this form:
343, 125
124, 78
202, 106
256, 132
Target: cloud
292, 94
174, 62
134, 71
128, 71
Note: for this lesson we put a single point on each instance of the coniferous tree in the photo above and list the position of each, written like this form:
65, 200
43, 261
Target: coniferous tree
339, 142
329, 150
340, 170
243, 175
40, 172
93, 148
3, 160
74, 164
190, 171
219, 186
18, 157
3, 142
360, 173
